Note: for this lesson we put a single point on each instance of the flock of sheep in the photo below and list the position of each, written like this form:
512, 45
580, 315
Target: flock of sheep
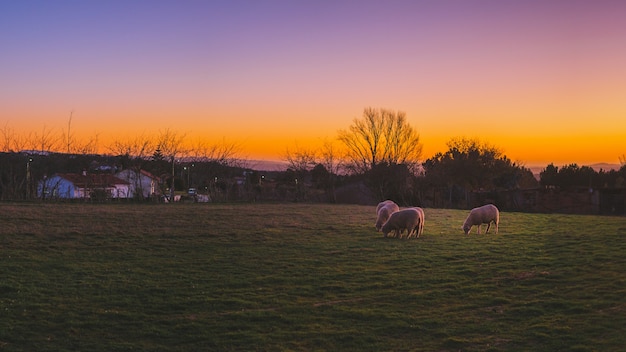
389, 218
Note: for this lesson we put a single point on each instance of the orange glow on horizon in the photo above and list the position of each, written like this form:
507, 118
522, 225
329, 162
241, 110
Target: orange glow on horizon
262, 142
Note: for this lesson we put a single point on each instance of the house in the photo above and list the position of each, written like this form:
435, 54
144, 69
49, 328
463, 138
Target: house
75, 186
141, 183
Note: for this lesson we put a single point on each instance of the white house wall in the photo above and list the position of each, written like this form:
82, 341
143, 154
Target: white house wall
146, 184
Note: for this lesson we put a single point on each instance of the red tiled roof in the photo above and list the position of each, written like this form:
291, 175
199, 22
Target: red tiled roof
148, 174
93, 180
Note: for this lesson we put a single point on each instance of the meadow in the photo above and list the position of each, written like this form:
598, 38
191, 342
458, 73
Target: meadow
304, 277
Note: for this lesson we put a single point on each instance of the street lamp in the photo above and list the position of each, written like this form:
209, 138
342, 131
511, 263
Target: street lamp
189, 174
28, 161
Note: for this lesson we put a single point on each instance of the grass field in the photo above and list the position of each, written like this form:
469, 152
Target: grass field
302, 277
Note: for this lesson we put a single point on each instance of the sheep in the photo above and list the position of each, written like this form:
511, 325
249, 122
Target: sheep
482, 215
383, 211
382, 204
420, 228
408, 219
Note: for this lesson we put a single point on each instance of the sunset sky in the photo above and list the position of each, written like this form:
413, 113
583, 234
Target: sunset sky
545, 81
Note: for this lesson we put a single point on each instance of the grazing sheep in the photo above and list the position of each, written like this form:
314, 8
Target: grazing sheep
382, 204
383, 211
420, 228
482, 215
408, 219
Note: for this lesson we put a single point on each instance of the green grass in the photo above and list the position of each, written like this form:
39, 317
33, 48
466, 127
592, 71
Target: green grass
301, 277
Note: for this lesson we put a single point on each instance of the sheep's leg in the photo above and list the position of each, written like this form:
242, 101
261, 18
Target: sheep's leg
478, 229
488, 226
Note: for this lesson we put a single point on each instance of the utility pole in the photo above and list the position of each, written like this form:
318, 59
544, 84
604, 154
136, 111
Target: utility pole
172, 187
28, 161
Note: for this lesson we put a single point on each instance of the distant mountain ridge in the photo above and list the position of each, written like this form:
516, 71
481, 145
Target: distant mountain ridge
273, 165
267, 165
605, 166
536, 170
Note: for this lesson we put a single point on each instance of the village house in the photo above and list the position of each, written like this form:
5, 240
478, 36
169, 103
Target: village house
141, 183
77, 186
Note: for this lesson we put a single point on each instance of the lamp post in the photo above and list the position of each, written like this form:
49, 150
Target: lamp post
188, 169
172, 186
28, 161
189, 174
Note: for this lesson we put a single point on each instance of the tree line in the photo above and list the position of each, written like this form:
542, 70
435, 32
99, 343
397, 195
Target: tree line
380, 151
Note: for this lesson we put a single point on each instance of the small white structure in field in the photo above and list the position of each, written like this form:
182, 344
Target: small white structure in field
384, 211
486, 214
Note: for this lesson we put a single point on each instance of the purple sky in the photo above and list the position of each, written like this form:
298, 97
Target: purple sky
532, 77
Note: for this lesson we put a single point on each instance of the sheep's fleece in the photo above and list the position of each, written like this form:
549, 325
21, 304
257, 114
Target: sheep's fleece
486, 214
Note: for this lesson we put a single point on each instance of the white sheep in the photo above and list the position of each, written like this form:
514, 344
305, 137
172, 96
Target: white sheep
405, 219
482, 215
383, 211
420, 228
382, 204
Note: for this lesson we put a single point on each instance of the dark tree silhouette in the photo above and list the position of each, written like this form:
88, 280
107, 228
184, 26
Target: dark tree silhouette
470, 165
380, 136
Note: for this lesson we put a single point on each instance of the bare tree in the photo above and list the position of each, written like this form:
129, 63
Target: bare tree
139, 146
380, 136
74, 146
622, 160
221, 153
89, 146
330, 161
47, 141
11, 140
300, 160
329, 157
170, 144
212, 160
70, 136
300, 163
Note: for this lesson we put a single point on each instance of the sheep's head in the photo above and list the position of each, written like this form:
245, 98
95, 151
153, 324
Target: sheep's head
466, 228
385, 229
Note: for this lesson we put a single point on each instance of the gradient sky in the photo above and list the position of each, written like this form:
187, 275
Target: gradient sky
545, 81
